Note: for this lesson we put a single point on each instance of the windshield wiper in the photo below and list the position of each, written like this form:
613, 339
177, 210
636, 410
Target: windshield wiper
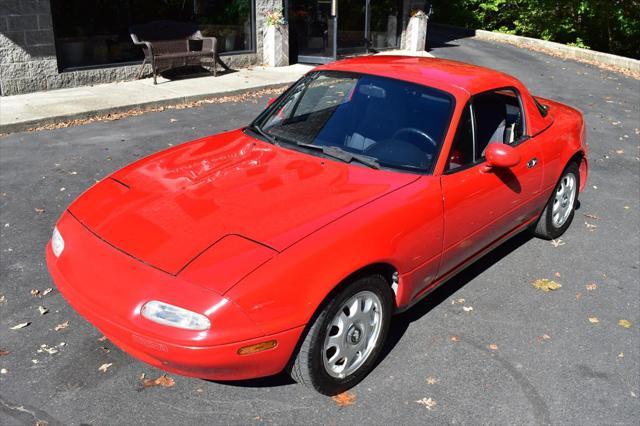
256, 129
343, 155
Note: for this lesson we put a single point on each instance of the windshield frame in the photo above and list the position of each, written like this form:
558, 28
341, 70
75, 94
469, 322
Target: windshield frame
261, 118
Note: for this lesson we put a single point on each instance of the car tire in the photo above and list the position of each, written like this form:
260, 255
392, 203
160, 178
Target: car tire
354, 321
560, 209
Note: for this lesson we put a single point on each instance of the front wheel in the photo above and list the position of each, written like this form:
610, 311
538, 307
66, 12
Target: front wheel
560, 209
344, 340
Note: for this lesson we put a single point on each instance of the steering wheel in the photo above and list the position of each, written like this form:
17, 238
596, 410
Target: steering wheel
417, 132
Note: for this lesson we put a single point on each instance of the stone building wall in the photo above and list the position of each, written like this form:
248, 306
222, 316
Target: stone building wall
28, 56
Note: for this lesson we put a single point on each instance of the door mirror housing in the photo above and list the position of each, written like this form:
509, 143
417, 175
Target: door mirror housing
502, 156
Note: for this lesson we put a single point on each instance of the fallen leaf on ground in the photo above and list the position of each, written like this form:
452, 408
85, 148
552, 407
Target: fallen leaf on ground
42, 310
467, 308
162, 381
557, 274
546, 285
39, 211
493, 347
624, 323
344, 399
594, 320
432, 380
591, 286
35, 292
105, 349
544, 337
105, 367
3, 371
621, 355
454, 338
619, 151
61, 326
578, 296
21, 325
3, 352
591, 216
429, 403
47, 291
590, 226
557, 243
3, 299
102, 339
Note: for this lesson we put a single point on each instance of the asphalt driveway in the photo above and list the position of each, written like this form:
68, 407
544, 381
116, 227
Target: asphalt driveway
485, 348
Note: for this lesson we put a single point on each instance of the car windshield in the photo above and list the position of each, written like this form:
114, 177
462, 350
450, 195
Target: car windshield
373, 120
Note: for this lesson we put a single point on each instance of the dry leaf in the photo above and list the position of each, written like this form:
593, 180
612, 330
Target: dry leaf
557, 243
3, 371
467, 308
432, 380
172, 120
594, 320
21, 325
42, 310
543, 338
61, 326
578, 296
35, 292
105, 349
590, 226
624, 323
454, 338
460, 301
591, 216
591, 286
104, 367
162, 381
102, 339
621, 355
557, 274
2, 299
3, 352
546, 285
619, 151
427, 402
344, 399
39, 211
47, 291
493, 347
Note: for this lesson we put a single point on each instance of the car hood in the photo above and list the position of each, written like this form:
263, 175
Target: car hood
170, 207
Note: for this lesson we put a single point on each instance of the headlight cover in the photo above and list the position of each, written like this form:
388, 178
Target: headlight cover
57, 243
174, 316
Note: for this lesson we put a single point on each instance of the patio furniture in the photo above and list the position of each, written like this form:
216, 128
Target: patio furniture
171, 44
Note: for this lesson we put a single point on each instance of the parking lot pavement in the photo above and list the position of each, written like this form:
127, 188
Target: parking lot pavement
520, 356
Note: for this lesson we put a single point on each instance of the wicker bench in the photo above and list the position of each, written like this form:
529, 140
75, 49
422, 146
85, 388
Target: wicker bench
170, 44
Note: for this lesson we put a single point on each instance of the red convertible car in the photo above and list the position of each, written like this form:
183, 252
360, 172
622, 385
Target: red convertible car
289, 244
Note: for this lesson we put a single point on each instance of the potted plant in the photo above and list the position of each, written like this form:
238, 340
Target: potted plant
275, 45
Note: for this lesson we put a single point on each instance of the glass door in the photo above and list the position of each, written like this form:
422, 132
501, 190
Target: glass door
314, 30
324, 30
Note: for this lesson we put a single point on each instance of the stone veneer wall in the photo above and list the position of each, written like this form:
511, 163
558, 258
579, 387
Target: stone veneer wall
28, 56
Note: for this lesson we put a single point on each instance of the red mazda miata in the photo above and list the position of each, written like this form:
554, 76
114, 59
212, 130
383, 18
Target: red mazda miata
289, 244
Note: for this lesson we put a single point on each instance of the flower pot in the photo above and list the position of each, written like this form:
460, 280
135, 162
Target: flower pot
275, 46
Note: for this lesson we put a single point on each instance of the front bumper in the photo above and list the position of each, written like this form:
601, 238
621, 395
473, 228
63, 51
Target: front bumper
108, 288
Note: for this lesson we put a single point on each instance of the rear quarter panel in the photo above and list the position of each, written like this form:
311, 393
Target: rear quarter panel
561, 141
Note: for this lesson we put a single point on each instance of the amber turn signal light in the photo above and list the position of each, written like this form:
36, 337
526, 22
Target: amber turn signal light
258, 347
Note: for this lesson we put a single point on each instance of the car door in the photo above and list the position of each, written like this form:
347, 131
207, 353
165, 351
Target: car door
482, 204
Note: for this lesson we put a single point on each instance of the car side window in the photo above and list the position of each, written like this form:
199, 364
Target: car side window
461, 153
499, 118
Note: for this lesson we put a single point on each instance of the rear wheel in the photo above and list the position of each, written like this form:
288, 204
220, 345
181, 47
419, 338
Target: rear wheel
345, 339
560, 209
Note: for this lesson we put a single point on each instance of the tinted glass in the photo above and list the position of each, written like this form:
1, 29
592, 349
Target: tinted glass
461, 153
96, 32
400, 124
498, 118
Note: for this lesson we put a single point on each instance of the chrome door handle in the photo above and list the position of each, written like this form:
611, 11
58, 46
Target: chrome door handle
532, 162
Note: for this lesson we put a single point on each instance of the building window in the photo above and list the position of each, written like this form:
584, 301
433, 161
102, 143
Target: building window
96, 33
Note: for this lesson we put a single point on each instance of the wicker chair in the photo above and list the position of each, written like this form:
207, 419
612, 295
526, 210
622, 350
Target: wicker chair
170, 44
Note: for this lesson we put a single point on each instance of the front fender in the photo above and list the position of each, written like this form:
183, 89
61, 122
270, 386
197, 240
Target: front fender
403, 229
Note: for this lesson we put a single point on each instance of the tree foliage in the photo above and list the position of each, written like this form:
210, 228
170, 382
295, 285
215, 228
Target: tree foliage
605, 25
